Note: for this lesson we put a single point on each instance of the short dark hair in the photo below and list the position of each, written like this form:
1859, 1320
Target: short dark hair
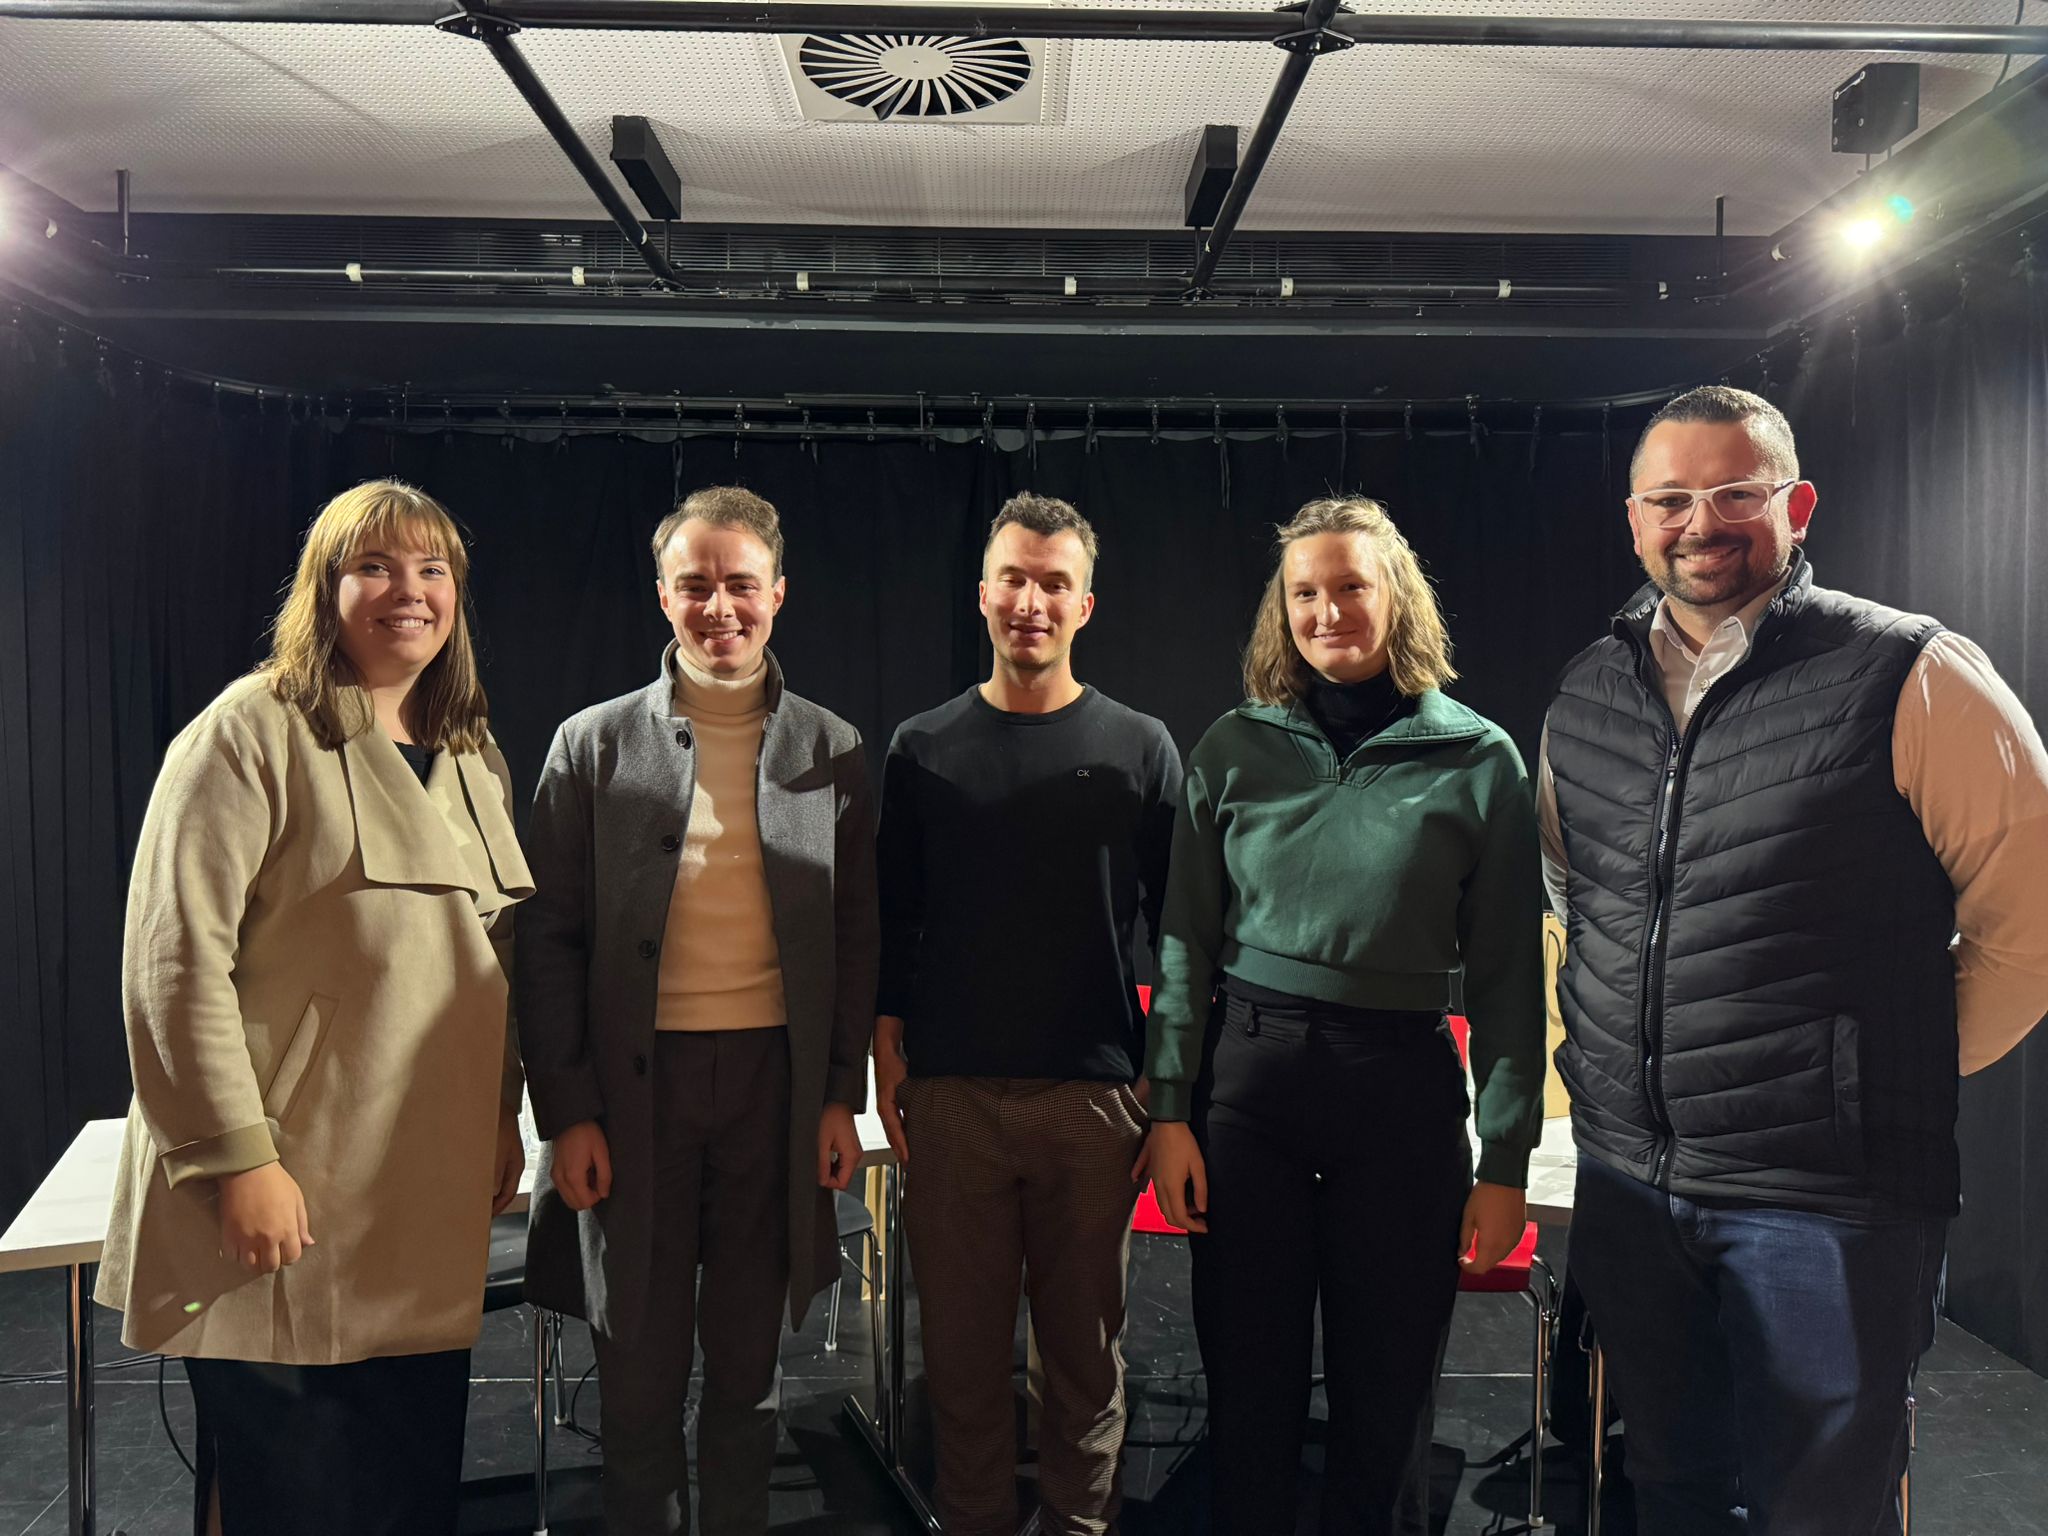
1045, 515
1721, 403
724, 506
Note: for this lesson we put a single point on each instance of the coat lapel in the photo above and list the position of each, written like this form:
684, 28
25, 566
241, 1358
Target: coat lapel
453, 832
486, 817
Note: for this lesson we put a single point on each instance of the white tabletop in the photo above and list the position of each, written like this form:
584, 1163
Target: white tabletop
1553, 1173
65, 1221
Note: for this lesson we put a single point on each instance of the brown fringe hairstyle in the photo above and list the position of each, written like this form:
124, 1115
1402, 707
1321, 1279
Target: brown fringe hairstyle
724, 506
1419, 648
307, 668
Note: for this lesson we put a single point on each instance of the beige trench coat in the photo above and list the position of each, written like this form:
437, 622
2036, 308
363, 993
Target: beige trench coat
314, 971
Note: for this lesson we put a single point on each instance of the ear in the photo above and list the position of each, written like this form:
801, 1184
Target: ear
1087, 610
1635, 528
981, 597
779, 591
1799, 505
661, 594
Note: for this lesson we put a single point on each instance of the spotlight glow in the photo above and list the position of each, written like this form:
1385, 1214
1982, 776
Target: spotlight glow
1863, 234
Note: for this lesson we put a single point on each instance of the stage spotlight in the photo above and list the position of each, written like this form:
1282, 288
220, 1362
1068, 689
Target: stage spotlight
1866, 228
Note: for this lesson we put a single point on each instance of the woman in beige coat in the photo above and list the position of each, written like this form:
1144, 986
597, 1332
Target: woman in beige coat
326, 1092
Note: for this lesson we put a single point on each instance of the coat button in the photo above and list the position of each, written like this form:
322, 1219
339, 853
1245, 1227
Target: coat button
639, 1066
682, 738
647, 949
670, 843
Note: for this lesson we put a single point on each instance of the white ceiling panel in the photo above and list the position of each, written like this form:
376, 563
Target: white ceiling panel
383, 120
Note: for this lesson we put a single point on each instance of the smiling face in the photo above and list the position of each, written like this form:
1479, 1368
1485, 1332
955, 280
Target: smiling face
1339, 609
1711, 566
1035, 597
721, 595
396, 608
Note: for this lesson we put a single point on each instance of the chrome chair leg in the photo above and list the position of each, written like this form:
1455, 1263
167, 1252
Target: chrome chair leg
872, 1247
1906, 1477
555, 1353
832, 1311
542, 1340
1540, 1374
1596, 1388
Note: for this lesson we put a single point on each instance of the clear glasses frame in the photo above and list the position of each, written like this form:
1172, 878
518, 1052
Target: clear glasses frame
1739, 501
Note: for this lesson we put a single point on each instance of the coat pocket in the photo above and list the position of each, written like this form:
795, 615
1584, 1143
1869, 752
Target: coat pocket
296, 1063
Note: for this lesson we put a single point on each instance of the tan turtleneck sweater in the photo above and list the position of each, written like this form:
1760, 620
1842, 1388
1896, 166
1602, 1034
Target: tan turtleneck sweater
719, 965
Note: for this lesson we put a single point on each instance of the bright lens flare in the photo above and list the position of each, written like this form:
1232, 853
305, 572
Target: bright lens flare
1863, 234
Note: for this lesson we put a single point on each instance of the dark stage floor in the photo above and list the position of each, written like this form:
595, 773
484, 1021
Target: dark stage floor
1982, 1469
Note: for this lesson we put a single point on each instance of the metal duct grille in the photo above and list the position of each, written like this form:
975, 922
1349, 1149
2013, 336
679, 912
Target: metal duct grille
916, 76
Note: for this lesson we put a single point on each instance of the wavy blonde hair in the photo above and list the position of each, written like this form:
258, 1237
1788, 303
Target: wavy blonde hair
1419, 647
307, 667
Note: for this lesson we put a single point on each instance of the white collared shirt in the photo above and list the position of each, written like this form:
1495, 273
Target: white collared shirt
1969, 760
1687, 673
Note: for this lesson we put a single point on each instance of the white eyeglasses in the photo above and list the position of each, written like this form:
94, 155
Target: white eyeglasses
1739, 501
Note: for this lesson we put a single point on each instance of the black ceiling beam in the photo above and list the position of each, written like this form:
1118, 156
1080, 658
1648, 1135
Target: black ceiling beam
1309, 39
495, 33
1086, 22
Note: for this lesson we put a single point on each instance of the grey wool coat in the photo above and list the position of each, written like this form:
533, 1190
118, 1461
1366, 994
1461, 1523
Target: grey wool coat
606, 832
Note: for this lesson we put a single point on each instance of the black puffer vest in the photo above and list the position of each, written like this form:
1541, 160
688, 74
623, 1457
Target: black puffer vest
1759, 997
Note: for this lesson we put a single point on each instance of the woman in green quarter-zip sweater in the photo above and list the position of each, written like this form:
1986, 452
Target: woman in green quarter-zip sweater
1348, 839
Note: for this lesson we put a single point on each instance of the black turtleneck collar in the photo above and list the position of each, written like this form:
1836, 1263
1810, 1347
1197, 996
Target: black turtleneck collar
1349, 713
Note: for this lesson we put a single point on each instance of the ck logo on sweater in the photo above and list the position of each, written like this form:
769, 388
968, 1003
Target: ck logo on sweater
1080, 773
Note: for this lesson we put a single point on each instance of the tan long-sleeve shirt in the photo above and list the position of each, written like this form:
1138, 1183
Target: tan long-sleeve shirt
720, 968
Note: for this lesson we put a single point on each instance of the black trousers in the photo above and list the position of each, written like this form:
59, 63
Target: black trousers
721, 1202
1299, 1109
371, 1448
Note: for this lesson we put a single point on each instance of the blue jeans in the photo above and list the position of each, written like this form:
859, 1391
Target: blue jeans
1760, 1357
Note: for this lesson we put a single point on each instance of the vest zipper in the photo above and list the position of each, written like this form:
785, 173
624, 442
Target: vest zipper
1650, 977
1663, 871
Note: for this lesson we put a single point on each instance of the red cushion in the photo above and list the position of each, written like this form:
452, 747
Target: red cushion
1511, 1274
1462, 1033
1149, 1218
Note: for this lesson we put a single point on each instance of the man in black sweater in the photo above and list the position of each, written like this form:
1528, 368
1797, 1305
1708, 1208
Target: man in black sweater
1024, 824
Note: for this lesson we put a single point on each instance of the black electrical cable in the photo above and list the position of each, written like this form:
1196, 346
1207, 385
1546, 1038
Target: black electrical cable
163, 1408
569, 1419
52, 1378
2005, 68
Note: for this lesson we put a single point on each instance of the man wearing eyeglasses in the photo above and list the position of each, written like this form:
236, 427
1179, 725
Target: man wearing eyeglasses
1801, 844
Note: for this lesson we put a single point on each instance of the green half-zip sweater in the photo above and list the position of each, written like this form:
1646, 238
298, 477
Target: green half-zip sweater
1366, 882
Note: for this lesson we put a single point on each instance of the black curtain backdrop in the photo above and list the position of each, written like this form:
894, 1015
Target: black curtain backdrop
145, 532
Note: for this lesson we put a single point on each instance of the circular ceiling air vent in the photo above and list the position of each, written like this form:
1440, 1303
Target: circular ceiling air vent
916, 76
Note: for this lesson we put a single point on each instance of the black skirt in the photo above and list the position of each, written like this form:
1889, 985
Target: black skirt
371, 1448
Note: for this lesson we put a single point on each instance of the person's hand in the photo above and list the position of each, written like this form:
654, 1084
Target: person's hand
890, 1071
511, 1160
838, 1147
1495, 1219
582, 1165
263, 1224
1176, 1163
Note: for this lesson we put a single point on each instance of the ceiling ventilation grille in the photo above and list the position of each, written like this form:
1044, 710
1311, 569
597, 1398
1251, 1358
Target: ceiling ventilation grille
916, 77
894, 75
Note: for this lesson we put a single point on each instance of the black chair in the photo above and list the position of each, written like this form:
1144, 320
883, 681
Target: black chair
856, 1220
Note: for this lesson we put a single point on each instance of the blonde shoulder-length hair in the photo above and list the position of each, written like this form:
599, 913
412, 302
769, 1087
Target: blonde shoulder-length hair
1419, 647
307, 668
